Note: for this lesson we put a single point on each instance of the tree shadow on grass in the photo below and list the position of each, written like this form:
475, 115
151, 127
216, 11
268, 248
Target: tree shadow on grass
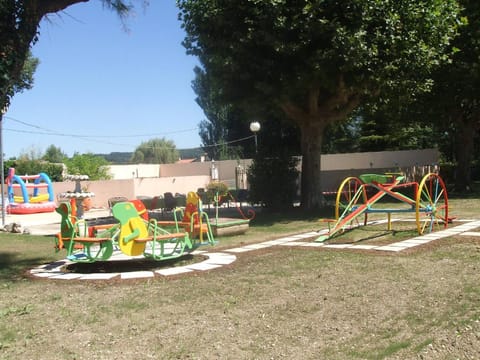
130, 265
268, 217
364, 234
13, 266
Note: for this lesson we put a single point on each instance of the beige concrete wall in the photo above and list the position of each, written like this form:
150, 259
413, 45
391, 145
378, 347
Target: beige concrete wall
413, 163
131, 171
329, 162
379, 160
177, 184
183, 178
331, 179
195, 168
226, 168
131, 188
103, 190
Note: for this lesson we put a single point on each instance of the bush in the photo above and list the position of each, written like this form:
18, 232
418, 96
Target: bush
214, 188
273, 181
33, 167
88, 164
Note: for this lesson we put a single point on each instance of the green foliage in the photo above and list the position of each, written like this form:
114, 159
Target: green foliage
273, 181
20, 21
224, 122
448, 117
217, 187
33, 167
317, 60
214, 189
16, 62
32, 153
194, 153
342, 137
387, 129
118, 157
298, 46
156, 151
88, 164
454, 105
25, 81
54, 154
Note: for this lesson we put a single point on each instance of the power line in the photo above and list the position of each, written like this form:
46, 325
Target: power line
91, 138
57, 133
228, 142
81, 137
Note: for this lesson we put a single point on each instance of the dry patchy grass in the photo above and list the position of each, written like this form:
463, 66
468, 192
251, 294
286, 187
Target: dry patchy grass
278, 303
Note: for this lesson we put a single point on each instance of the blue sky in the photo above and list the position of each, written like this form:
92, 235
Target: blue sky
102, 89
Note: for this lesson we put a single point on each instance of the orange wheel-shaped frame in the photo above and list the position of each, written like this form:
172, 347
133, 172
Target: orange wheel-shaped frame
431, 202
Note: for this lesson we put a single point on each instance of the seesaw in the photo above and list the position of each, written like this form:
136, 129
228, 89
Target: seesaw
358, 196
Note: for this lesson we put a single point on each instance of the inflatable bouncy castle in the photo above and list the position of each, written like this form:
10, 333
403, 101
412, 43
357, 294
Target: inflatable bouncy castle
30, 193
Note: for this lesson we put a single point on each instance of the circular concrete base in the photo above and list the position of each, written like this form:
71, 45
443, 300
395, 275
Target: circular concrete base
56, 270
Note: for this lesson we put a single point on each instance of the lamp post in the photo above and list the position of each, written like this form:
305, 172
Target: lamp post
255, 128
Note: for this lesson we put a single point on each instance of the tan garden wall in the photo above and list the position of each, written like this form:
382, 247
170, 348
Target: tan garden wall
132, 188
182, 178
226, 168
380, 159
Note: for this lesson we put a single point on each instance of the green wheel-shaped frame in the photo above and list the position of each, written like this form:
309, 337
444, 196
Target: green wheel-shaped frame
348, 196
431, 204
96, 252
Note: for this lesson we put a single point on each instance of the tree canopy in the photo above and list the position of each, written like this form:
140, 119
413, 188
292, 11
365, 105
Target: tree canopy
54, 154
222, 121
19, 30
156, 151
317, 60
88, 164
448, 117
455, 100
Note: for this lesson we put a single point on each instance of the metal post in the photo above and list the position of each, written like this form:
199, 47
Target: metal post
1, 167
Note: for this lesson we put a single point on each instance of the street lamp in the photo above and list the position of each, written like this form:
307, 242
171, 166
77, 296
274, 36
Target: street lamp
255, 128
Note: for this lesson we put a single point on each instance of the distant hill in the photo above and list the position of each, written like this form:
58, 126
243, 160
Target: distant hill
191, 153
117, 157
124, 157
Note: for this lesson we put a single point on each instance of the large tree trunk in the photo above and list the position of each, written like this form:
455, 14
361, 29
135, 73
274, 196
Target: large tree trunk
464, 147
311, 135
319, 110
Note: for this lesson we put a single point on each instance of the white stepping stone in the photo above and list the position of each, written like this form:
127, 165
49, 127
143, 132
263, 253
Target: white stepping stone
136, 275
203, 266
173, 271
99, 276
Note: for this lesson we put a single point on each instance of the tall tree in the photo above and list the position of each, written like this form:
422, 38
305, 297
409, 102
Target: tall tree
32, 153
54, 154
25, 80
228, 123
455, 100
88, 164
316, 59
222, 123
156, 151
395, 125
19, 25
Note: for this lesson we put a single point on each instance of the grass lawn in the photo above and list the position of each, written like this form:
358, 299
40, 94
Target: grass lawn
276, 303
